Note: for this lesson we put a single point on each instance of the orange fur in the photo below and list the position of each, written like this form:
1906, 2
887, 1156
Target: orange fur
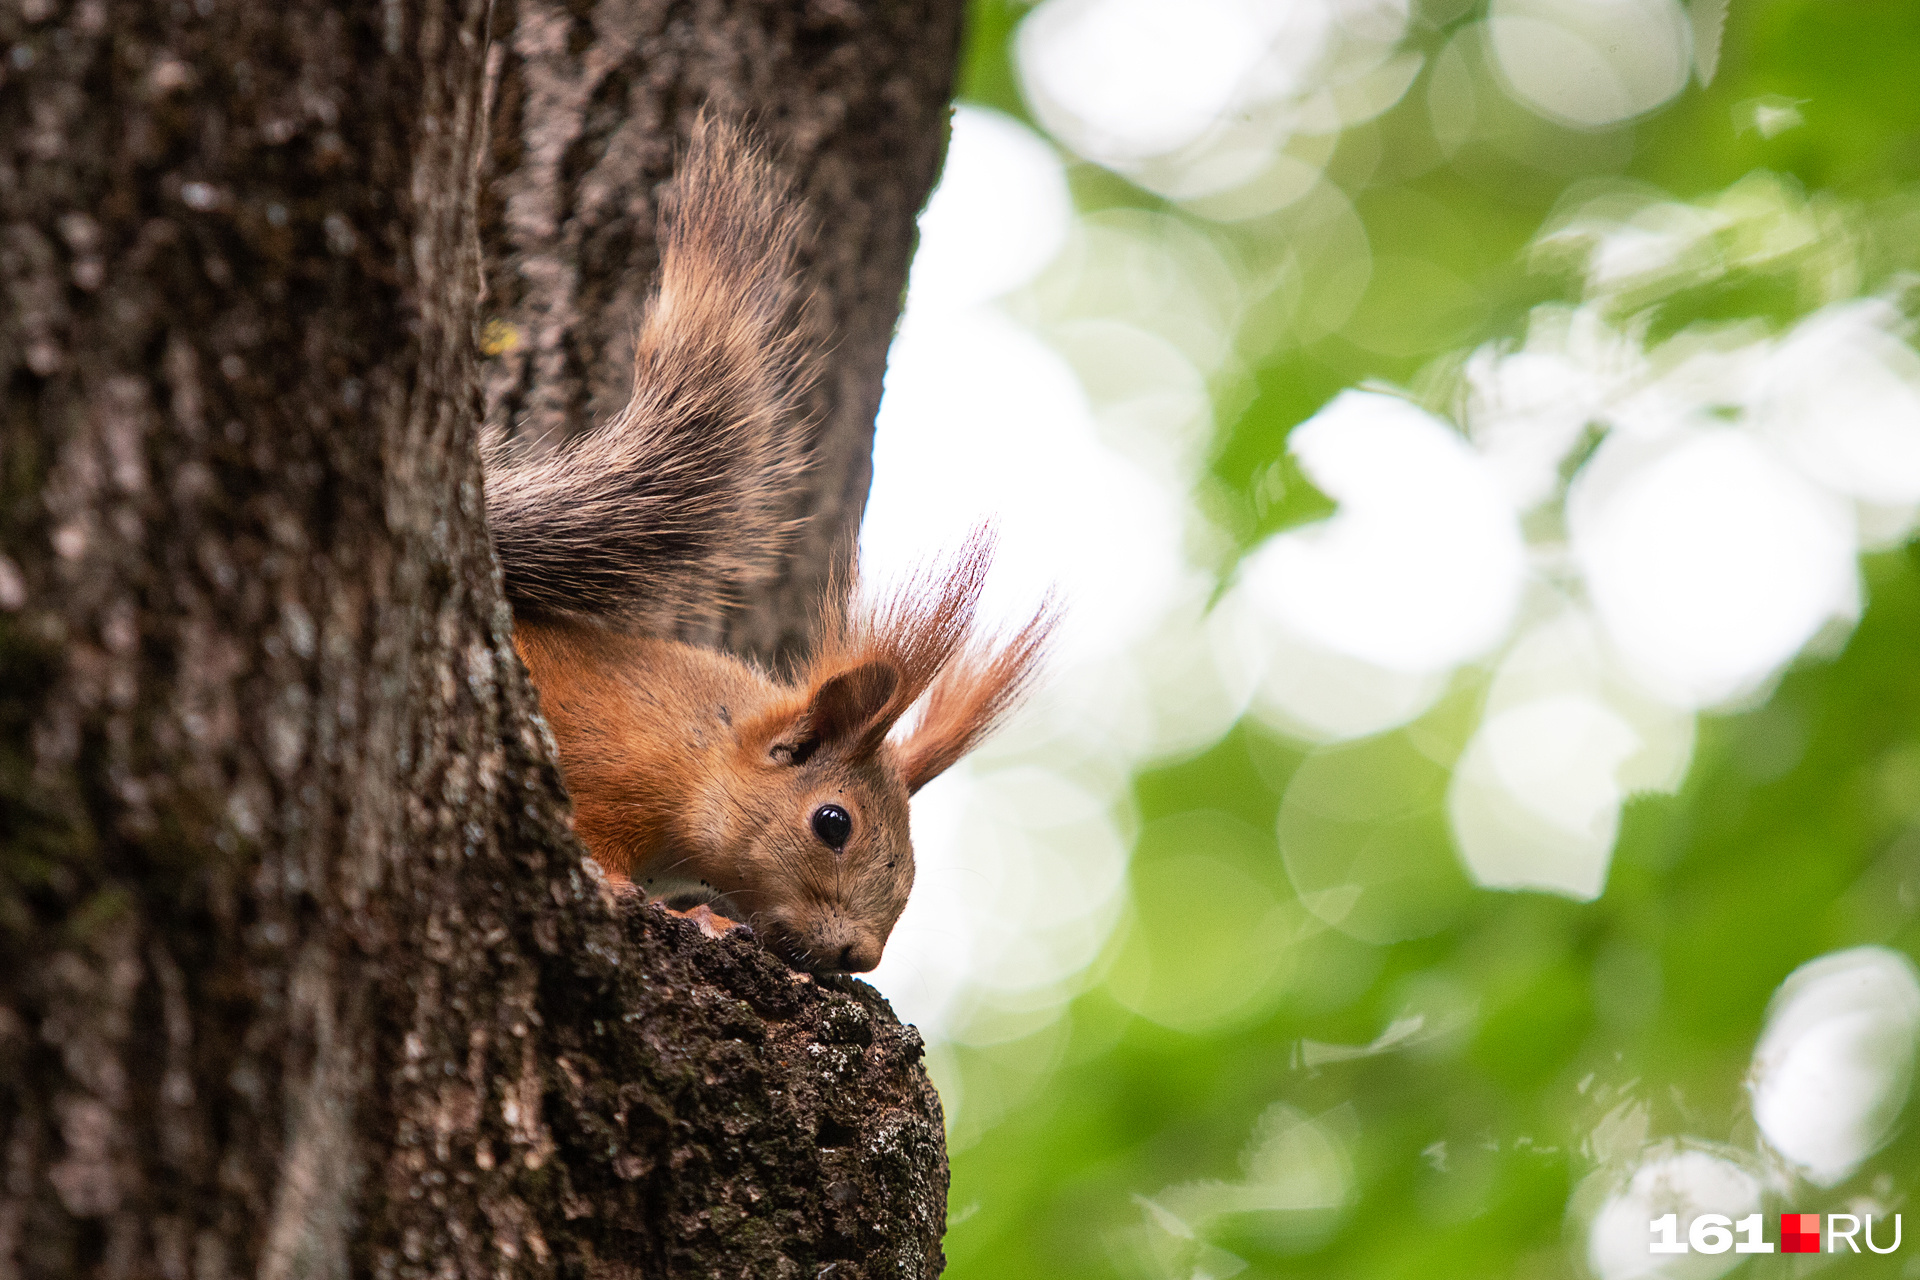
697, 775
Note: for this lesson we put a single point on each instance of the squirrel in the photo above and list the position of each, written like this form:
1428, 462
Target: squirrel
780, 799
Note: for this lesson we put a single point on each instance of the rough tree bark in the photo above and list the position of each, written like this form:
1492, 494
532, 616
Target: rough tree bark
300, 969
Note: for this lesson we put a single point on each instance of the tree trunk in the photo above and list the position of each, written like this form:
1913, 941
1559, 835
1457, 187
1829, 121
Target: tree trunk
301, 971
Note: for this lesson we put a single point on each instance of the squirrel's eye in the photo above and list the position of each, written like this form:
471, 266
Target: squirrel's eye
832, 825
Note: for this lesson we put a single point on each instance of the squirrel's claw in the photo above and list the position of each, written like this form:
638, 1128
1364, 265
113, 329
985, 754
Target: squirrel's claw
711, 923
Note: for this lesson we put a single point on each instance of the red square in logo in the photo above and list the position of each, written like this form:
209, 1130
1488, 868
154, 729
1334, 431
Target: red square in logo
1799, 1233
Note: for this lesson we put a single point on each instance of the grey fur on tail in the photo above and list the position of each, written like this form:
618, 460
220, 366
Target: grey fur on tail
648, 520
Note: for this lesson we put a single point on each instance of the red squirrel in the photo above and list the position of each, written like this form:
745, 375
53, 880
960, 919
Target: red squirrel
781, 799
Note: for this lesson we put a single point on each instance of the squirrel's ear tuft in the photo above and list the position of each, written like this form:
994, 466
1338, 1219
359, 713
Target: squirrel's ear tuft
973, 694
924, 632
848, 713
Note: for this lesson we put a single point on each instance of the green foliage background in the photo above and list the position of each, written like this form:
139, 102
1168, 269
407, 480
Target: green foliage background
1797, 831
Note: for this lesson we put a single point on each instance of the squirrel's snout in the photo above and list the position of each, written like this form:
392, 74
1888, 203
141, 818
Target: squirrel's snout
858, 958
837, 946
822, 940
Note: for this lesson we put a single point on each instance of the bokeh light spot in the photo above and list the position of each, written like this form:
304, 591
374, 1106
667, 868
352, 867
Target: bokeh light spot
1840, 395
1209, 941
1000, 214
1591, 63
1710, 562
1364, 836
1535, 801
1420, 568
1835, 1063
1683, 1181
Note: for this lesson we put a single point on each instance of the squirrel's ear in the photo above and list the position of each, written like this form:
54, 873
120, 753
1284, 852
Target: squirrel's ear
850, 711
972, 695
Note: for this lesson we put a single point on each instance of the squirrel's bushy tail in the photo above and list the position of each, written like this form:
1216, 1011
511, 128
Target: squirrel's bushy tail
653, 517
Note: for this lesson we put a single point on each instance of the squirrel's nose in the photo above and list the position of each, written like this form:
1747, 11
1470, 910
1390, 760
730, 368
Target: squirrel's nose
837, 944
853, 955
859, 957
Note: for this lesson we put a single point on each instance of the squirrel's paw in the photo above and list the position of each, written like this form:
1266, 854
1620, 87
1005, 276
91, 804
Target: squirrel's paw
614, 886
711, 922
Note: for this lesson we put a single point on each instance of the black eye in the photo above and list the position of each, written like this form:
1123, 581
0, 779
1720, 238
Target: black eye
832, 825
